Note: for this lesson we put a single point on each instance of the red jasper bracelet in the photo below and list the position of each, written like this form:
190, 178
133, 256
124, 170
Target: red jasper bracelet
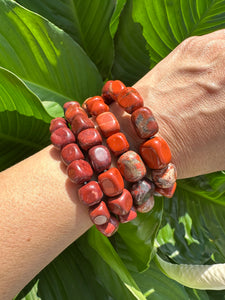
76, 137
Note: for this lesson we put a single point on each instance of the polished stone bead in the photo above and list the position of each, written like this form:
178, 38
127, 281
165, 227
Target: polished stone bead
168, 192
132, 214
67, 104
90, 193
131, 166
121, 204
72, 111
111, 182
142, 190
146, 206
81, 122
90, 101
111, 90
109, 228
57, 123
155, 153
99, 213
98, 108
79, 171
166, 177
61, 137
88, 138
100, 158
70, 153
144, 122
118, 143
130, 100
108, 123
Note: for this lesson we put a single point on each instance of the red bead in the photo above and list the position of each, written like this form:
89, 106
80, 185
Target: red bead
61, 137
79, 171
109, 228
70, 153
142, 190
117, 143
168, 192
166, 177
90, 193
132, 214
67, 104
88, 138
146, 206
72, 111
121, 205
98, 108
131, 166
130, 100
99, 213
111, 182
156, 153
81, 122
100, 158
57, 123
108, 123
144, 122
111, 90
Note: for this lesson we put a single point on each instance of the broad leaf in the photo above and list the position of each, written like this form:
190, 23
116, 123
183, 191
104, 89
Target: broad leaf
116, 15
87, 24
44, 57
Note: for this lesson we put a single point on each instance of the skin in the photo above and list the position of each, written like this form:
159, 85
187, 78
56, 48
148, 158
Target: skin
41, 215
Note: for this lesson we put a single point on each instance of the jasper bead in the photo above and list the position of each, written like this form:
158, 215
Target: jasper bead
72, 111
90, 101
98, 108
89, 138
109, 228
108, 123
168, 192
79, 171
57, 123
111, 90
130, 100
144, 122
81, 122
142, 190
67, 104
90, 193
121, 205
156, 153
99, 213
146, 206
111, 182
131, 166
117, 143
61, 137
132, 214
166, 177
100, 158
70, 153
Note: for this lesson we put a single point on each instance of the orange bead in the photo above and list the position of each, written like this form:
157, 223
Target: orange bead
99, 213
168, 192
90, 193
109, 228
111, 182
118, 143
156, 153
87, 105
120, 205
111, 90
67, 104
108, 123
132, 214
98, 108
88, 138
72, 111
130, 100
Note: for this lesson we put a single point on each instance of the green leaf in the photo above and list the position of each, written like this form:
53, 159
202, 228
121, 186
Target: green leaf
44, 57
24, 123
87, 24
116, 15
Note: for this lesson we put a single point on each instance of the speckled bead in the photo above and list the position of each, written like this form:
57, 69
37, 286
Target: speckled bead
111, 90
109, 228
89, 101
118, 143
144, 122
70, 153
121, 204
99, 213
100, 158
131, 166
132, 214
57, 123
130, 100
88, 138
146, 206
61, 137
168, 192
72, 111
166, 177
111, 182
95, 105
155, 153
108, 123
67, 104
90, 193
81, 122
79, 171
141, 191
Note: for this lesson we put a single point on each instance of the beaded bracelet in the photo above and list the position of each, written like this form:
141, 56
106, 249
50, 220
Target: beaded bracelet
77, 138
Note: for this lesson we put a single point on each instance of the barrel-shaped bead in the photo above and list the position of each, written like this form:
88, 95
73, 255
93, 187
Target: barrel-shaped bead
61, 137
81, 122
118, 143
111, 182
95, 105
166, 177
79, 171
130, 100
146, 206
99, 213
108, 123
57, 123
90, 193
132, 214
70, 153
142, 190
111, 90
100, 158
67, 104
121, 204
168, 192
72, 111
88, 138
109, 228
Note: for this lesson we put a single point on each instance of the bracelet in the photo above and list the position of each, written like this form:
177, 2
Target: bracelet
83, 151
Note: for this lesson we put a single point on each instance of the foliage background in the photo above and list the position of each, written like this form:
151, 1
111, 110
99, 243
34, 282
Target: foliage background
56, 51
